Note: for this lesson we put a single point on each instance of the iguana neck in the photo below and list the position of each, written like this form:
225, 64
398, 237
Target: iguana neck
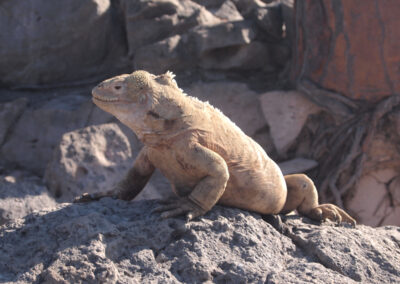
160, 120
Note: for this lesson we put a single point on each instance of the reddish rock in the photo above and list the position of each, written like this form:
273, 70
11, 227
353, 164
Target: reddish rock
350, 47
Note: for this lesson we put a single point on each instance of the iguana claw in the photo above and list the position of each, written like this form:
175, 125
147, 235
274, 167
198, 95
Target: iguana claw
176, 207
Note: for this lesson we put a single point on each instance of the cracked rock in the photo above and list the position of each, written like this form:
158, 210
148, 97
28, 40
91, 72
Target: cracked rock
122, 242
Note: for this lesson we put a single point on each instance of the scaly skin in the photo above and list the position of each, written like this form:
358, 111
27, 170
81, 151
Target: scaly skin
205, 156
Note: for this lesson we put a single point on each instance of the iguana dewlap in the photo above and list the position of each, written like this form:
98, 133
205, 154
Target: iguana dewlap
204, 155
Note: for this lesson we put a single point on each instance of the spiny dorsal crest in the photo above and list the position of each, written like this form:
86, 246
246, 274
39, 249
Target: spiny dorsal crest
171, 76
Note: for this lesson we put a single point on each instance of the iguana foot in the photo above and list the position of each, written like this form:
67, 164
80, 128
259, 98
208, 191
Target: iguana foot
179, 206
331, 212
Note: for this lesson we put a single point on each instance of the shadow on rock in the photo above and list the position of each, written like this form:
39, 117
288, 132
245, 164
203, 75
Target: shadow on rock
117, 241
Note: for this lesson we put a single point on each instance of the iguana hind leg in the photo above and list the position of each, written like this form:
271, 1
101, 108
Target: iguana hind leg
303, 197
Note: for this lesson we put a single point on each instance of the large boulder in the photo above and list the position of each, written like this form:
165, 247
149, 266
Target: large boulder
33, 137
46, 42
116, 241
88, 160
94, 159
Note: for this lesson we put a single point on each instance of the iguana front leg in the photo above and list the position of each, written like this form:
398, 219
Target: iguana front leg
208, 190
129, 187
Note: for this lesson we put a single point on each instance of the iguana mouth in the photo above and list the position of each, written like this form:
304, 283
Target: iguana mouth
105, 99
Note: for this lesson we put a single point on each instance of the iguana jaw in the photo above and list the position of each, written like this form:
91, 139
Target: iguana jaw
104, 97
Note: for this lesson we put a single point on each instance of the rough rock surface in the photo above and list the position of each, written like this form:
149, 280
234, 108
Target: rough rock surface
20, 198
9, 113
38, 130
115, 241
84, 160
286, 114
93, 159
47, 42
150, 21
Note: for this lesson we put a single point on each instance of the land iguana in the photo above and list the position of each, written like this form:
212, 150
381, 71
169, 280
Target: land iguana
204, 155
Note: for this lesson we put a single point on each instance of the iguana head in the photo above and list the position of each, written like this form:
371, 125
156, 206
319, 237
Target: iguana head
120, 93
131, 97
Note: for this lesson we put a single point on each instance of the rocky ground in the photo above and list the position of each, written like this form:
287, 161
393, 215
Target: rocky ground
55, 144
114, 241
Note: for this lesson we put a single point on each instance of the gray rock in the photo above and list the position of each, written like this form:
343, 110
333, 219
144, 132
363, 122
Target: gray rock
207, 38
35, 135
210, 4
167, 54
228, 12
286, 113
18, 199
9, 113
270, 20
40, 128
148, 22
115, 241
364, 254
221, 46
89, 160
246, 7
93, 159
46, 42
254, 55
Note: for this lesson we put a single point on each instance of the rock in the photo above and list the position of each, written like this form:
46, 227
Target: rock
286, 114
254, 55
93, 159
32, 139
287, 7
375, 197
230, 97
19, 199
334, 50
122, 242
224, 46
269, 19
9, 113
246, 7
47, 42
167, 54
383, 208
228, 12
298, 165
210, 4
207, 38
90, 159
364, 254
148, 22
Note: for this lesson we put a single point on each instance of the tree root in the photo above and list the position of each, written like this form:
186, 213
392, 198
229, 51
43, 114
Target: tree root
341, 150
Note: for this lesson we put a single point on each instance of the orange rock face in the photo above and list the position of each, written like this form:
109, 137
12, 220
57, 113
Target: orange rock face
350, 47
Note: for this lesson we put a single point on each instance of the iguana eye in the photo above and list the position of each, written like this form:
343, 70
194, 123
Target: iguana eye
117, 87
